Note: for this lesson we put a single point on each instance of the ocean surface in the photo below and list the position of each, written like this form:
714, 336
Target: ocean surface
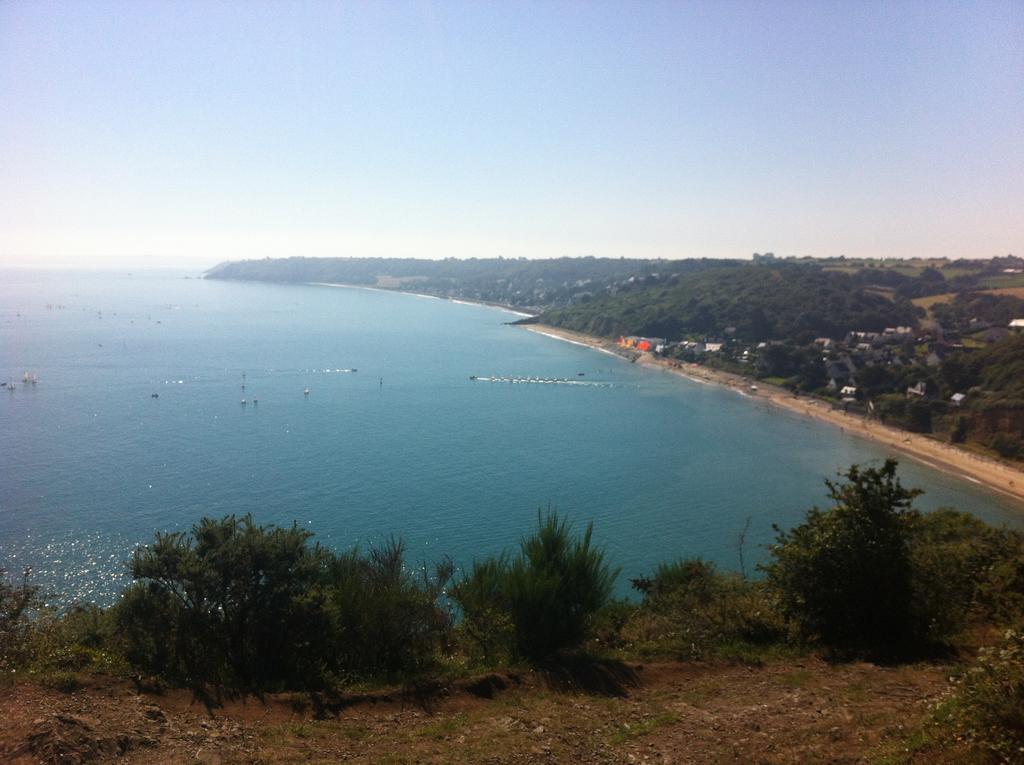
404, 444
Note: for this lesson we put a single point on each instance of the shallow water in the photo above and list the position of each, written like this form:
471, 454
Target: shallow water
92, 465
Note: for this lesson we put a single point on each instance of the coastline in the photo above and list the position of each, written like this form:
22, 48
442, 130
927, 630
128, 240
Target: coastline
993, 475
461, 301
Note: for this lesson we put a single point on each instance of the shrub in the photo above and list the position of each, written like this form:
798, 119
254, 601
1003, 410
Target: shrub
230, 603
692, 610
18, 604
1007, 445
554, 587
259, 607
990, 712
386, 622
540, 604
963, 570
482, 598
844, 575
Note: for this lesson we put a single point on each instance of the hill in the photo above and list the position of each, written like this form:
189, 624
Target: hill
787, 711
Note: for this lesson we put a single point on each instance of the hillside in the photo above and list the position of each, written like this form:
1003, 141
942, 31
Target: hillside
788, 711
761, 301
515, 282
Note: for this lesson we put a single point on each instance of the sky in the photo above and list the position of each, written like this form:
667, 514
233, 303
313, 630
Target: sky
187, 133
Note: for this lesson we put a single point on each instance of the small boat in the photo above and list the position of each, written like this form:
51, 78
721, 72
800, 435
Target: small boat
305, 392
244, 402
154, 395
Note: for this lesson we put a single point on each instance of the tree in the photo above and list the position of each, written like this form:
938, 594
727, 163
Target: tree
844, 576
555, 585
231, 603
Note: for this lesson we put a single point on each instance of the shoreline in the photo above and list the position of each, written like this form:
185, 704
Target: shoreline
984, 471
461, 301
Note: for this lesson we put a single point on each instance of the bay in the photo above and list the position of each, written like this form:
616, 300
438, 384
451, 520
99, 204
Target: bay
91, 464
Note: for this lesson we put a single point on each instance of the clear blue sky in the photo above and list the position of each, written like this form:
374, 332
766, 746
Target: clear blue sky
192, 132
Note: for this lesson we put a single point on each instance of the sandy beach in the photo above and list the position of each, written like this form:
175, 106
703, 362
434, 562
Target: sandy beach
976, 468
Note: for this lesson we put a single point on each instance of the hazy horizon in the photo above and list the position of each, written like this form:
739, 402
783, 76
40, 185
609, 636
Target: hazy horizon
158, 134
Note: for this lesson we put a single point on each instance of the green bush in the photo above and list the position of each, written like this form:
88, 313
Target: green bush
1007, 445
990, 708
260, 607
541, 603
554, 587
962, 571
385, 621
230, 603
486, 622
692, 610
844, 576
19, 603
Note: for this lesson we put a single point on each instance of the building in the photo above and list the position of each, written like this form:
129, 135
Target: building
1017, 324
920, 389
957, 398
643, 343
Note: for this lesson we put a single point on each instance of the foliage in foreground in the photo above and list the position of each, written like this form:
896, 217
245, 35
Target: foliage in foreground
248, 606
542, 602
989, 709
17, 604
691, 610
872, 575
264, 608
844, 575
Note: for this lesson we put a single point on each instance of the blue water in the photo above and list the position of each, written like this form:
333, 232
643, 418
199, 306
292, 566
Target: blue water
91, 465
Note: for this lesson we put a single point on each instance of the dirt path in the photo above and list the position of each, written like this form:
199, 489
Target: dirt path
789, 712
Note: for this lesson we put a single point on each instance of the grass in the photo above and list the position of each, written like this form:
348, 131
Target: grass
797, 679
928, 302
887, 292
857, 692
929, 740
65, 682
444, 729
628, 732
1014, 291
1007, 280
355, 732
700, 693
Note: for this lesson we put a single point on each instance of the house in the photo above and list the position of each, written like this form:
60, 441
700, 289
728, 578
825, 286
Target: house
958, 398
713, 347
920, 389
641, 343
823, 342
934, 358
837, 373
848, 390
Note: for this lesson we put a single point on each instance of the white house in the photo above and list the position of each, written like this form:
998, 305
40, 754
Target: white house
918, 390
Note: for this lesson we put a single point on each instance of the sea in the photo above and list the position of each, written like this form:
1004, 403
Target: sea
155, 398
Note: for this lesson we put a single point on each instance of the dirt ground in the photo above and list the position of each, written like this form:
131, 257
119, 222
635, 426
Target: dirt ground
802, 711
